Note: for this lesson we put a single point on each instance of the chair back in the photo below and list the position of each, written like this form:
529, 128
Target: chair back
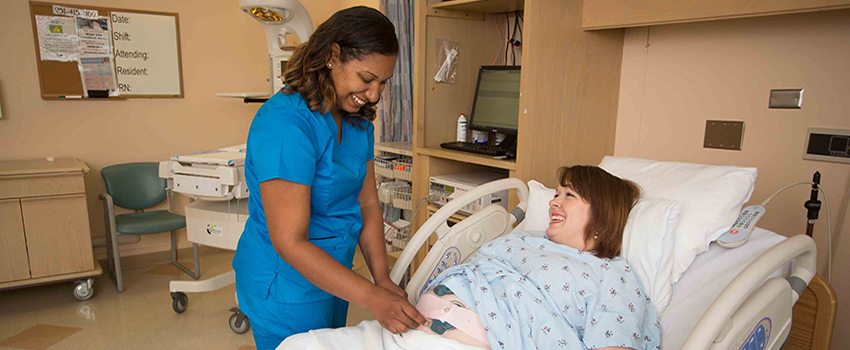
134, 185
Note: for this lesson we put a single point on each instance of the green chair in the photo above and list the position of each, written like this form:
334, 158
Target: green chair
137, 186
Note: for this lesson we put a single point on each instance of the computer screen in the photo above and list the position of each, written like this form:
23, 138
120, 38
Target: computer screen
496, 104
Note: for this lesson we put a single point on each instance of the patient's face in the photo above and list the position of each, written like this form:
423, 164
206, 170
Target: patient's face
568, 217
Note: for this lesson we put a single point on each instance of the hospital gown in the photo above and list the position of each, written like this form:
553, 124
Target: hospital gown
532, 293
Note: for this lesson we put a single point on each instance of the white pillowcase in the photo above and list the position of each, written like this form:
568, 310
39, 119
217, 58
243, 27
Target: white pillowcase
648, 239
648, 242
537, 211
711, 198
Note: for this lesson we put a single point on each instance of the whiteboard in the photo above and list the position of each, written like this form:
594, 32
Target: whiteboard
147, 54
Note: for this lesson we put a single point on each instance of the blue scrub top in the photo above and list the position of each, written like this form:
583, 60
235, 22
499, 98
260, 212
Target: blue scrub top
289, 141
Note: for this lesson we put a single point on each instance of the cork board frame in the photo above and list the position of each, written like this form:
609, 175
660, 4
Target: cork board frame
61, 80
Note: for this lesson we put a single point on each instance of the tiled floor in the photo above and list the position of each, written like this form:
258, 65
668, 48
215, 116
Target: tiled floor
48, 316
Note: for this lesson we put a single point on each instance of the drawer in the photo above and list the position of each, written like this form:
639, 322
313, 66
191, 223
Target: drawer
22, 186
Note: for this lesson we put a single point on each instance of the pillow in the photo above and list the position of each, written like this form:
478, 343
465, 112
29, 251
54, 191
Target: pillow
711, 198
537, 211
648, 242
647, 239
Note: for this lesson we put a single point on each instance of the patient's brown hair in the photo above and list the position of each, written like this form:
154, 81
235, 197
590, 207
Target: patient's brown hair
611, 199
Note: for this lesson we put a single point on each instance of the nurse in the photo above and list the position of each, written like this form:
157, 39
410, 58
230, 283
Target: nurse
313, 198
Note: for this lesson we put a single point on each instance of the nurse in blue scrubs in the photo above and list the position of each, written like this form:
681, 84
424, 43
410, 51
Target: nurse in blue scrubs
310, 173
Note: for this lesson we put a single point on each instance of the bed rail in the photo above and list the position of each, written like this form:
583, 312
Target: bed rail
437, 223
728, 325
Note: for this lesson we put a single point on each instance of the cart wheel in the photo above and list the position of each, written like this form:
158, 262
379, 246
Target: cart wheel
179, 302
83, 291
239, 322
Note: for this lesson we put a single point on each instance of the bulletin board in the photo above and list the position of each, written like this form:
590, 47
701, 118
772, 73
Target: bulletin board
89, 52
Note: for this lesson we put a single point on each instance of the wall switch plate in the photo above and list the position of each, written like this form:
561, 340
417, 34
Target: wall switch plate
787, 98
831, 145
724, 134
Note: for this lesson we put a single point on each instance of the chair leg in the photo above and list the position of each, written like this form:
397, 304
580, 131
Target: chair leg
197, 273
110, 251
115, 262
110, 263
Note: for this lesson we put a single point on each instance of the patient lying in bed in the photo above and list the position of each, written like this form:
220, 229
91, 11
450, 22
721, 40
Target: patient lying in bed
536, 294
563, 289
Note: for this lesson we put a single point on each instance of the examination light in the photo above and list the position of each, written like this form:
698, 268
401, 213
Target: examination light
278, 19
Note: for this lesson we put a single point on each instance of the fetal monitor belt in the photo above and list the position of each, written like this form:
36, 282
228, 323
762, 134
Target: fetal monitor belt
466, 320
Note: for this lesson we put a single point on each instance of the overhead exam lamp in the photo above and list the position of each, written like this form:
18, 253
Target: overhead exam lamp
279, 18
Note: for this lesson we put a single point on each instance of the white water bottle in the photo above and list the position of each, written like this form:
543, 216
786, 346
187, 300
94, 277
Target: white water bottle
461, 128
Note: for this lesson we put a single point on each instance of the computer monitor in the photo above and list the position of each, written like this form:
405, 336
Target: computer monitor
496, 104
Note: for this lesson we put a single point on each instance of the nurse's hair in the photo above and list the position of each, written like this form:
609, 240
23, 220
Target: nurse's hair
611, 199
359, 31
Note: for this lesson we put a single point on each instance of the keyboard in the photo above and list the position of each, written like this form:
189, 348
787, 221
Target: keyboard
475, 148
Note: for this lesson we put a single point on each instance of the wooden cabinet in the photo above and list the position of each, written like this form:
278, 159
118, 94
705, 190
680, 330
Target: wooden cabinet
44, 223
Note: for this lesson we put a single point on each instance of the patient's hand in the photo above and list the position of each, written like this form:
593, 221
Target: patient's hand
454, 333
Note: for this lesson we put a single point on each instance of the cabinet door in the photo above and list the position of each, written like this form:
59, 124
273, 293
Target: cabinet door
13, 246
58, 234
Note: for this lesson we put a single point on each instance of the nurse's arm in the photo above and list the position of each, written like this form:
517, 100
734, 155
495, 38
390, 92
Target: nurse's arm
287, 208
372, 242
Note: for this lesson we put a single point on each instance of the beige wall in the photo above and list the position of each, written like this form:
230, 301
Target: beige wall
675, 77
223, 50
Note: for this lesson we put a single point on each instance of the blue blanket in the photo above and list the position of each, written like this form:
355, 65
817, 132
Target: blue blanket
532, 293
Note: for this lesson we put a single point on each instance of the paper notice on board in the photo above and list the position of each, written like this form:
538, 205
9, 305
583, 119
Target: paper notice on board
93, 35
57, 38
98, 73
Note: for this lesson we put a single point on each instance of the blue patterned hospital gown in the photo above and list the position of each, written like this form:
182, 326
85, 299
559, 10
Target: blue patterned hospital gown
532, 293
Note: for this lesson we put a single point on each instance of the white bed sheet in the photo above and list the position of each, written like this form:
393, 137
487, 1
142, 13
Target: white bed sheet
710, 272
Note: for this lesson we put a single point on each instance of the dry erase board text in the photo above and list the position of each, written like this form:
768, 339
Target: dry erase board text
146, 53
120, 19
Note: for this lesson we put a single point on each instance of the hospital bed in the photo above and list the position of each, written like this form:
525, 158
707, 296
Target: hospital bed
215, 182
753, 288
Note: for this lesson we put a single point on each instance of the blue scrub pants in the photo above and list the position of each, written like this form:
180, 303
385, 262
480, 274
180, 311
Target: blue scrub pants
272, 321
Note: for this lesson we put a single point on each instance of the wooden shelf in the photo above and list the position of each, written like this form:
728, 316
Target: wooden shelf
403, 148
608, 14
467, 157
482, 6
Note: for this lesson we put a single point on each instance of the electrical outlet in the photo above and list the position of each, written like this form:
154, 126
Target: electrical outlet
724, 134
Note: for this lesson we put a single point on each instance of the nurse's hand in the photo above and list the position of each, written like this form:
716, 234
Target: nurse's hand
393, 311
392, 287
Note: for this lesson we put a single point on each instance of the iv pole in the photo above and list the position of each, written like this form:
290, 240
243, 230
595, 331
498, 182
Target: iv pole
813, 205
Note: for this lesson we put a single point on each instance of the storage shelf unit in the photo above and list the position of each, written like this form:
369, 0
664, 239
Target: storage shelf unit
568, 91
393, 162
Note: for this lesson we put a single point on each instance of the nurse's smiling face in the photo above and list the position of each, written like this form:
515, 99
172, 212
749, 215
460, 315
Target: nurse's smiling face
568, 218
359, 81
